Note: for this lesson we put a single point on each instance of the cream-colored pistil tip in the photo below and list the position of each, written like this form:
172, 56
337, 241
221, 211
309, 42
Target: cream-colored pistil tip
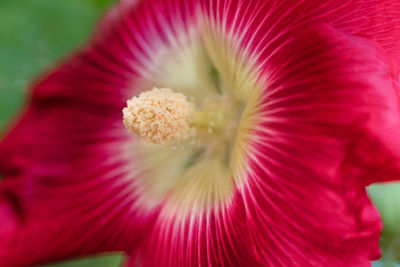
158, 115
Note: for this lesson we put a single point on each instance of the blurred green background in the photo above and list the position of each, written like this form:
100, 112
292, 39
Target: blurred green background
36, 33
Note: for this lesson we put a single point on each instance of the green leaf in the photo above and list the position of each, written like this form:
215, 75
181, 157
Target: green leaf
109, 260
34, 34
386, 198
384, 264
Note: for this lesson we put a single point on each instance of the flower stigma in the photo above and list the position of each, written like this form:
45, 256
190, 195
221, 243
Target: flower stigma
158, 115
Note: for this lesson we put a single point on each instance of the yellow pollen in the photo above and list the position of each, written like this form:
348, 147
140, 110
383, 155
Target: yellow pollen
158, 115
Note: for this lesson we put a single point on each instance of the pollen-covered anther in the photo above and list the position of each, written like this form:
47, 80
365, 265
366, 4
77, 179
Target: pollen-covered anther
158, 115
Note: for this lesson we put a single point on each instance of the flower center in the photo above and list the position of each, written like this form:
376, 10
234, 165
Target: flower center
194, 139
159, 116
184, 150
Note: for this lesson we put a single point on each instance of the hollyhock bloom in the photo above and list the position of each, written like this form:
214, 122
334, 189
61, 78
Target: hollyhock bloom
294, 108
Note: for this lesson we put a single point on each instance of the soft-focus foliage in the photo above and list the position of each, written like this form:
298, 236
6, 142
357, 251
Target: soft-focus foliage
387, 199
100, 261
34, 34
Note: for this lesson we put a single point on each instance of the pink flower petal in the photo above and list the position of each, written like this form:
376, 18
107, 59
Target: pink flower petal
67, 162
328, 96
69, 191
263, 22
303, 201
329, 120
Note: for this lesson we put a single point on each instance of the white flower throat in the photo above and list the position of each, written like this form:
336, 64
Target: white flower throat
191, 135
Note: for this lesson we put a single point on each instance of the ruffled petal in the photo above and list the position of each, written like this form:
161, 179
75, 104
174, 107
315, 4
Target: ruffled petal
68, 189
326, 113
262, 29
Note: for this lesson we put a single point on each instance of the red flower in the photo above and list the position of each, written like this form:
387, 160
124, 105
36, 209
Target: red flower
309, 115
